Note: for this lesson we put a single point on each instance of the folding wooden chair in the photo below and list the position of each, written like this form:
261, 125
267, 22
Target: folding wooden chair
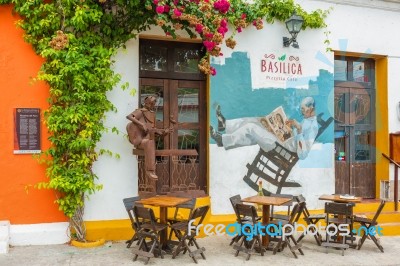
284, 217
310, 219
147, 228
187, 237
338, 214
294, 217
187, 206
129, 205
367, 224
248, 246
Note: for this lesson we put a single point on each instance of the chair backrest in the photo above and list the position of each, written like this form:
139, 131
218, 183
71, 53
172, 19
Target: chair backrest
245, 210
130, 202
189, 205
378, 212
339, 208
296, 212
144, 215
199, 214
301, 199
235, 200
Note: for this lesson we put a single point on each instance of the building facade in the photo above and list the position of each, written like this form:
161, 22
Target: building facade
351, 89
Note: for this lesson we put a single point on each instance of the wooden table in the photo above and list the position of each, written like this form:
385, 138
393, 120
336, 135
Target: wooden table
266, 202
164, 202
337, 198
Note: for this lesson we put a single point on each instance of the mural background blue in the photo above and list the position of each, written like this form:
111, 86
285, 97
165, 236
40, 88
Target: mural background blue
231, 89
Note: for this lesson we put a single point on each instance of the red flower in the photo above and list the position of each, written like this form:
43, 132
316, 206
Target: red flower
222, 6
223, 23
243, 16
177, 12
222, 30
160, 9
239, 29
209, 45
155, 2
166, 8
209, 35
213, 71
199, 28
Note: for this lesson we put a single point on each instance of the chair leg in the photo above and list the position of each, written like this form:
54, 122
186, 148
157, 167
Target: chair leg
296, 244
290, 247
241, 244
236, 238
278, 246
140, 246
193, 240
301, 236
251, 249
361, 242
376, 243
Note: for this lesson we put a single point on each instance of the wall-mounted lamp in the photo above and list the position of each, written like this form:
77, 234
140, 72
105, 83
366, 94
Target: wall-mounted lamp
293, 25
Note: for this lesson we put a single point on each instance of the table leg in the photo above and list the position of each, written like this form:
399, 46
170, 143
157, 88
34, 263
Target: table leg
265, 220
163, 220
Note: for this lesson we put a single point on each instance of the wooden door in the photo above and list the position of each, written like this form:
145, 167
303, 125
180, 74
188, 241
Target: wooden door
354, 104
181, 107
168, 69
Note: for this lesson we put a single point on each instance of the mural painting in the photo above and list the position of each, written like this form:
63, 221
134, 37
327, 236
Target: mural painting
278, 107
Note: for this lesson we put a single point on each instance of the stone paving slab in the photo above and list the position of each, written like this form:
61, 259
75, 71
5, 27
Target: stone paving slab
218, 252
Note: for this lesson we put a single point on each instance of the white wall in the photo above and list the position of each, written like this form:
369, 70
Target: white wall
118, 176
353, 29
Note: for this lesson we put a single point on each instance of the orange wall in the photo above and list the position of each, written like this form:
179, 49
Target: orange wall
18, 64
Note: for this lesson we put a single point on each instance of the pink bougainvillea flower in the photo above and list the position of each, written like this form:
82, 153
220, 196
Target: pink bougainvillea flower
155, 2
209, 35
222, 30
243, 16
209, 45
213, 71
177, 12
176, 2
239, 29
160, 9
166, 8
223, 23
222, 6
199, 28
168, 33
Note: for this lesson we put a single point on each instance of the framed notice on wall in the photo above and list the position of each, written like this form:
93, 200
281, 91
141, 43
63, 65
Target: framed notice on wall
26, 130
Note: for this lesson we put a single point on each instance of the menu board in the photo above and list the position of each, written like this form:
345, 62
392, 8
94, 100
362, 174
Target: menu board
26, 130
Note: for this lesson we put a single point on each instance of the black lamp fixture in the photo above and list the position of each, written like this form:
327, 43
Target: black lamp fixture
293, 25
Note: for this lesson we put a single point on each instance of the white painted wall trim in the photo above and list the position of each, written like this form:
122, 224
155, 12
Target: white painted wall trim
4, 236
39, 234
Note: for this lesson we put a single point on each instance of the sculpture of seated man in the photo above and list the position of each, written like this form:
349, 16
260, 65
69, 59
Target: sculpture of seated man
141, 132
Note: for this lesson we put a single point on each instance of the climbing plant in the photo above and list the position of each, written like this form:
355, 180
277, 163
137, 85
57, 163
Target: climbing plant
78, 39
